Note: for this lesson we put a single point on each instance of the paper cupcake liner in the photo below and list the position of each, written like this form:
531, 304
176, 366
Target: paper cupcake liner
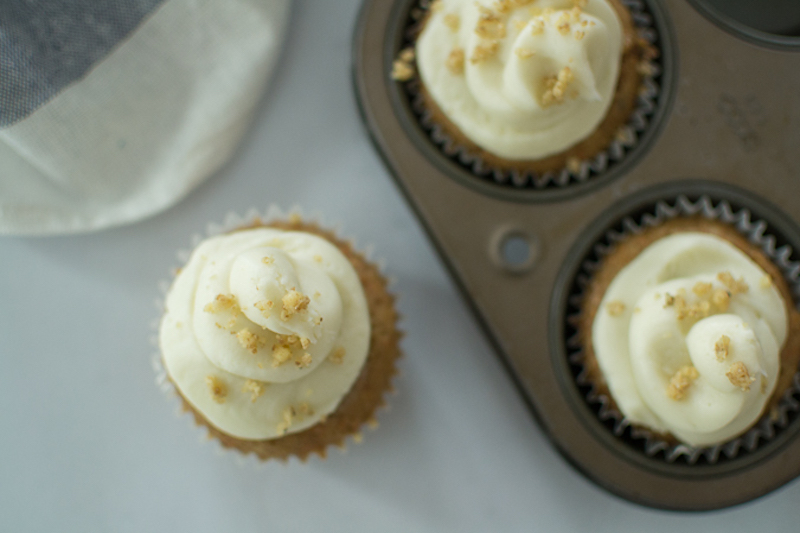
254, 218
654, 445
624, 143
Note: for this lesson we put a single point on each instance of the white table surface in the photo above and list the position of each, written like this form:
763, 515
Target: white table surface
89, 443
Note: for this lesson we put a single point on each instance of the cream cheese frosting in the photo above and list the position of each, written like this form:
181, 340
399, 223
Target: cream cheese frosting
688, 337
522, 79
265, 331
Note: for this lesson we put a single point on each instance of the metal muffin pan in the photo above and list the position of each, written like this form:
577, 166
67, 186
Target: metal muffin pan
731, 124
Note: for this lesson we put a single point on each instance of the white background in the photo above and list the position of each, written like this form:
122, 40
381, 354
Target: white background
89, 443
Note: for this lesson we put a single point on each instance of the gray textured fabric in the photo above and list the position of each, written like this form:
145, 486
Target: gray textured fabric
47, 44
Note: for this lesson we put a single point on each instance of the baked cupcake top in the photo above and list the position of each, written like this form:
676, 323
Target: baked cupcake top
265, 331
522, 79
688, 337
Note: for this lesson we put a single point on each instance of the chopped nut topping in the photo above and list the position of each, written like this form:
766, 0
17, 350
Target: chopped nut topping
402, 71
293, 302
249, 340
765, 282
407, 55
722, 348
739, 376
286, 423
217, 388
490, 24
264, 306
304, 361
221, 303
305, 410
455, 61
537, 28
280, 354
734, 286
681, 382
555, 87
721, 299
702, 289
562, 24
615, 308
669, 300
337, 356
579, 35
484, 52
452, 21
267, 260
520, 24
256, 388
524, 53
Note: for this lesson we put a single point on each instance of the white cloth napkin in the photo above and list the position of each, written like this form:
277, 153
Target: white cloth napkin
146, 123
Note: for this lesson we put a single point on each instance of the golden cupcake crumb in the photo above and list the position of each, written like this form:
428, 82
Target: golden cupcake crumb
562, 24
735, 286
555, 87
249, 340
579, 35
452, 21
255, 388
401, 71
286, 423
337, 357
305, 410
293, 302
537, 28
217, 388
739, 376
765, 282
520, 24
222, 302
681, 382
484, 52
722, 348
267, 260
669, 300
455, 61
524, 53
615, 308
304, 361
407, 55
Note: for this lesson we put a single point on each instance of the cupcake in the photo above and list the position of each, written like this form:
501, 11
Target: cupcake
280, 338
691, 331
529, 87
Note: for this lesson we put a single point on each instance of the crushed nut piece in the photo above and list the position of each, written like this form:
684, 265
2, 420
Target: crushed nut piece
490, 25
407, 55
555, 87
579, 35
256, 388
520, 24
293, 302
452, 21
669, 300
455, 61
562, 24
484, 52
249, 340
722, 348
264, 306
701, 289
304, 361
217, 388
524, 53
734, 286
286, 423
402, 71
221, 303
280, 354
681, 382
305, 410
337, 356
739, 376
722, 299
615, 308
537, 28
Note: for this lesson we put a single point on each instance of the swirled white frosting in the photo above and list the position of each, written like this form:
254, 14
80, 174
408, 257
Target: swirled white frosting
501, 102
644, 343
235, 303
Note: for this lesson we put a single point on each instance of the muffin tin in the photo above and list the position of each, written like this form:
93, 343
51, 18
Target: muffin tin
725, 132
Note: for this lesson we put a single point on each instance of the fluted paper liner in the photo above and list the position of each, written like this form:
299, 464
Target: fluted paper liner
576, 170
654, 444
359, 406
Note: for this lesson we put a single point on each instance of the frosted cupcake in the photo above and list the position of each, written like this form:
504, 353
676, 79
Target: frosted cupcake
281, 339
691, 330
532, 86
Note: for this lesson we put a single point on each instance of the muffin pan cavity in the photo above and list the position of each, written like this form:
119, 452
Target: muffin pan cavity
729, 122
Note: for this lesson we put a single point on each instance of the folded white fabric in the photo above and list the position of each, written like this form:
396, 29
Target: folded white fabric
112, 111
